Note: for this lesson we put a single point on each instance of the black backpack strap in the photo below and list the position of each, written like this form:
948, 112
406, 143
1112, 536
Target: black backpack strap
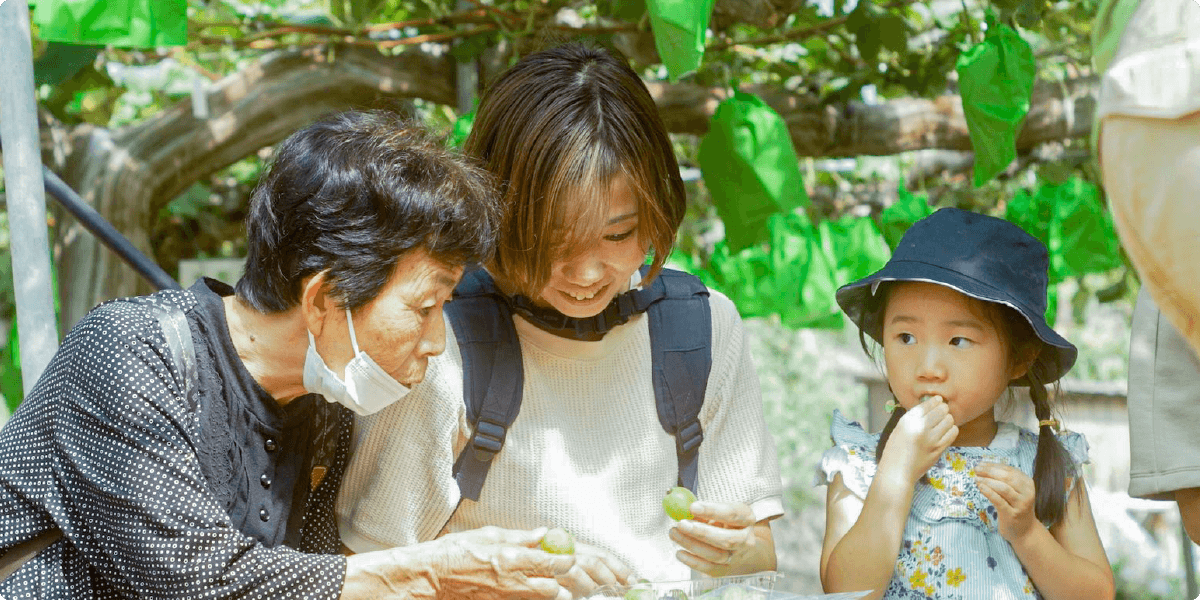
681, 358
493, 375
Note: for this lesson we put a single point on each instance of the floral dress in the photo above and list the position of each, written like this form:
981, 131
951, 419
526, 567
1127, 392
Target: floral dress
952, 548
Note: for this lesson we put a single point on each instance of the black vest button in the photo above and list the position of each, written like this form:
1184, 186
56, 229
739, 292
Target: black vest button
265, 481
264, 515
271, 445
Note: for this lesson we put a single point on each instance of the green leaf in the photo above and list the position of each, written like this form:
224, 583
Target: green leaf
337, 9
361, 11
863, 22
893, 32
750, 168
679, 27
625, 10
996, 81
122, 23
461, 129
61, 62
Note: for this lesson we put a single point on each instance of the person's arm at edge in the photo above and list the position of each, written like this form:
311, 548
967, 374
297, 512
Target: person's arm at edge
1188, 500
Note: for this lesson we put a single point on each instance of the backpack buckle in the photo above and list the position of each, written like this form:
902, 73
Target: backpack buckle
488, 439
688, 438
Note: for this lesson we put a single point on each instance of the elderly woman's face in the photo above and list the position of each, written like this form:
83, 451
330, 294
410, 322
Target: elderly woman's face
402, 327
587, 279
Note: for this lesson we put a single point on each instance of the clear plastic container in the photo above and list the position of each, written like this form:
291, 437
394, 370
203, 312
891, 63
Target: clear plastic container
759, 586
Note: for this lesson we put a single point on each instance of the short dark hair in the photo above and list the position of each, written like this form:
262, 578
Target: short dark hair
562, 124
350, 195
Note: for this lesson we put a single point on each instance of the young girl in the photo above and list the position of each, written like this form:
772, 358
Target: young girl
947, 502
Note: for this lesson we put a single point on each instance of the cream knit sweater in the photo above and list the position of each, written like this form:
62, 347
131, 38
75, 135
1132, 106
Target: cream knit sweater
585, 453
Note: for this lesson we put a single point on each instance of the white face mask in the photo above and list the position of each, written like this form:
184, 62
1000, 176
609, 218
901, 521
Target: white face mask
367, 389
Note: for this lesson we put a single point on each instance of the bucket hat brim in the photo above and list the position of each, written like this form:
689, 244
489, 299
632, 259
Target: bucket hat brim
1057, 355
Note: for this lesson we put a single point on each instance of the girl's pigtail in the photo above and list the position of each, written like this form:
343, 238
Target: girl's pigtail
887, 432
1052, 466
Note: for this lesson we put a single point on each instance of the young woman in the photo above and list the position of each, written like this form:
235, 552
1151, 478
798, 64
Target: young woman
591, 190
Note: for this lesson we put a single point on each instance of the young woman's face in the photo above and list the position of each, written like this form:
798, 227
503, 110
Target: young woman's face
584, 280
939, 342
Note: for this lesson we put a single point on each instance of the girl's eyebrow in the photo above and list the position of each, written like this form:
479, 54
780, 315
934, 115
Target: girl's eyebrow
971, 324
623, 217
904, 319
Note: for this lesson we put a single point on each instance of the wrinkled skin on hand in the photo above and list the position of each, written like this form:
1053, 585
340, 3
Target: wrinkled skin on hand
594, 568
482, 564
919, 439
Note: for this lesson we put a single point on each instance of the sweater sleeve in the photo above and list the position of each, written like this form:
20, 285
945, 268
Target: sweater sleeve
738, 460
133, 499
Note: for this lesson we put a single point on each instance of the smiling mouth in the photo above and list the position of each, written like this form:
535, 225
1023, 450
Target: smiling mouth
583, 298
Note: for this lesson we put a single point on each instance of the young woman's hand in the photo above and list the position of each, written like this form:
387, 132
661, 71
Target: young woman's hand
724, 539
1013, 494
919, 439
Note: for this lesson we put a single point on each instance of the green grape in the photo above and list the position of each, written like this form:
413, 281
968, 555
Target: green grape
678, 503
558, 541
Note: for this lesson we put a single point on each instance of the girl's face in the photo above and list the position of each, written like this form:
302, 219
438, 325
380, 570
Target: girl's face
940, 342
584, 280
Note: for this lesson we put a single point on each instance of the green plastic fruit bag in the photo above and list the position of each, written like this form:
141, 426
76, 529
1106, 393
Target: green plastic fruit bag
750, 168
897, 218
121, 23
679, 27
1082, 238
996, 79
1032, 212
803, 275
740, 277
856, 246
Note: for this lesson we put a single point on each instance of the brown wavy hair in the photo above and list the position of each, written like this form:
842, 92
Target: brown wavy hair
557, 129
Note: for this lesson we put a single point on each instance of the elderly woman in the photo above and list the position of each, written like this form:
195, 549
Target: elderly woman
591, 189
191, 443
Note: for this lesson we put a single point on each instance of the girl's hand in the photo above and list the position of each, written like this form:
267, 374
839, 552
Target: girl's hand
593, 568
1013, 494
722, 539
919, 439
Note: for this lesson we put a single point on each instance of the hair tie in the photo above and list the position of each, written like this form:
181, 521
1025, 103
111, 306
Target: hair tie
1051, 423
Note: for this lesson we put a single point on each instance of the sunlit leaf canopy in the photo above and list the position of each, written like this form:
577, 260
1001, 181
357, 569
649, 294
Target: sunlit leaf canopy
778, 105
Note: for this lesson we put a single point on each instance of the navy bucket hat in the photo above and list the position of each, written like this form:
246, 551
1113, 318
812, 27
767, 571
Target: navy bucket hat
983, 257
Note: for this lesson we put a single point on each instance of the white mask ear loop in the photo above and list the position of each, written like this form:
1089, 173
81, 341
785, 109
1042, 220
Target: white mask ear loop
353, 339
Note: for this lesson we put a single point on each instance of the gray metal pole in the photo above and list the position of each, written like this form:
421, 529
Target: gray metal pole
466, 76
26, 198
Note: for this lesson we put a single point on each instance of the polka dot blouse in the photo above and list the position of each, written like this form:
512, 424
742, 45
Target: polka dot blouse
227, 495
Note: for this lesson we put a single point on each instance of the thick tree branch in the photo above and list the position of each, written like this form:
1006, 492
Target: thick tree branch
1058, 111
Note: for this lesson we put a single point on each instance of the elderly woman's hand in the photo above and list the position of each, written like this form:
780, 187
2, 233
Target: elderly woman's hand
486, 564
593, 568
724, 539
